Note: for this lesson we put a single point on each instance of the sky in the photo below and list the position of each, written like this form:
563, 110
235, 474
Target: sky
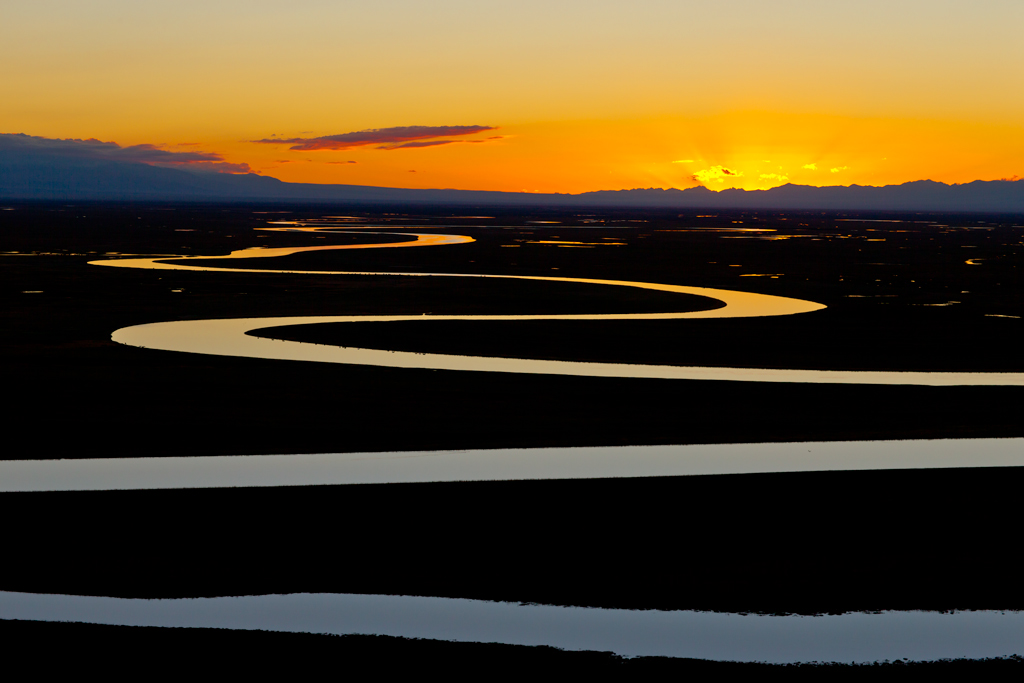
530, 95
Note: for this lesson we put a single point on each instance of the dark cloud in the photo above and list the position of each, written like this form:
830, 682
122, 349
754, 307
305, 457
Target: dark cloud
97, 149
383, 138
423, 143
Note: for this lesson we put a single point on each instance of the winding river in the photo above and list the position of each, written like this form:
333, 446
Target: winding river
705, 635
233, 336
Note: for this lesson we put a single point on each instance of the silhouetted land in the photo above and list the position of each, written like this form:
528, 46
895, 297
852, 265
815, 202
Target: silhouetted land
776, 543
890, 307
71, 170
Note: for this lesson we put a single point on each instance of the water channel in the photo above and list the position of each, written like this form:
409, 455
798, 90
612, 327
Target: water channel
847, 638
232, 337
101, 474
852, 637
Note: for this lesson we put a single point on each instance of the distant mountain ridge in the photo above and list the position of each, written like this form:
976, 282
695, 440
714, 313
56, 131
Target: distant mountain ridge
31, 171
920, 195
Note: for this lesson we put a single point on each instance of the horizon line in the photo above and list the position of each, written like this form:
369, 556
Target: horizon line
1012, 179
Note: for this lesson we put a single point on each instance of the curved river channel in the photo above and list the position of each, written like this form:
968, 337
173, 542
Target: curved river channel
847, 637
232, 336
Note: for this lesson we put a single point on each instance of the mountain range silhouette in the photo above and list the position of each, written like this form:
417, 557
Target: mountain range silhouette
61, 170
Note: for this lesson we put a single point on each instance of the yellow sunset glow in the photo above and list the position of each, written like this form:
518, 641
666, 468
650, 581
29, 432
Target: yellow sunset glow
576, 96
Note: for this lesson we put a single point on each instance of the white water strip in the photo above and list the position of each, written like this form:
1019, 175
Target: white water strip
854, 637
229, 337
502, 464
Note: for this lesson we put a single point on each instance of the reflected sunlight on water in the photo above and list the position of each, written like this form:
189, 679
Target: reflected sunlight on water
230, 337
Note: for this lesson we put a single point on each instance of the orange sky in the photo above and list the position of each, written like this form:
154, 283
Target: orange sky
585, 95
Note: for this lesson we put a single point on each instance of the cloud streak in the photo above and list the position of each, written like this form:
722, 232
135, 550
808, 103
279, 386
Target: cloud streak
398, 137
419, 143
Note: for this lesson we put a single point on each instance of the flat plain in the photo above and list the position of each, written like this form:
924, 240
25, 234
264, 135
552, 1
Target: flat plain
924, 292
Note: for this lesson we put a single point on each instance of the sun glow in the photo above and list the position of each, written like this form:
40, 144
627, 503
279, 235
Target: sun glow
553, 99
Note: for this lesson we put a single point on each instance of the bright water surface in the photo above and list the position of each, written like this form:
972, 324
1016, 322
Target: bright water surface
231, 337
502, 464
854, 637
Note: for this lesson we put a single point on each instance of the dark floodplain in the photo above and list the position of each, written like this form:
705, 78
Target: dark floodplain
904, 292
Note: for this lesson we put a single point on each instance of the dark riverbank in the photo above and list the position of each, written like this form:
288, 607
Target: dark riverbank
902, 295
890, 306
823, 542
